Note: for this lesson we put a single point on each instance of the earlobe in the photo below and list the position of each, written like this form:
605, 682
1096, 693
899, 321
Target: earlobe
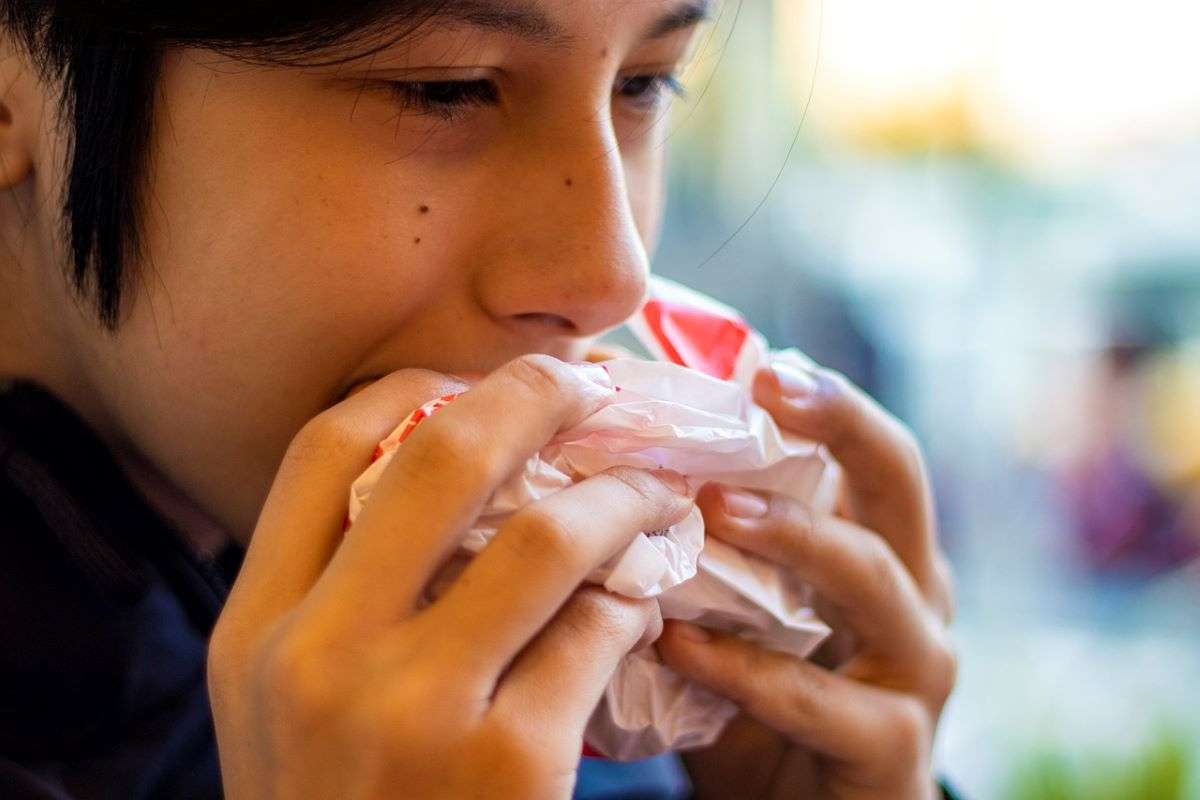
16, 161
16, 116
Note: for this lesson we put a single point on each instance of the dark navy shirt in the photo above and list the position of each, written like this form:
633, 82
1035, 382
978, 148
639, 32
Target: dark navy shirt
104, 617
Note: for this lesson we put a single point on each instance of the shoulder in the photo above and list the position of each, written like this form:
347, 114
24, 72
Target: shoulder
90, 632
104, 618
71, 647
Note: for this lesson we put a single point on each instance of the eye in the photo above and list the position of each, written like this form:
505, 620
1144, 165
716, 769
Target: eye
446, 99
649, 92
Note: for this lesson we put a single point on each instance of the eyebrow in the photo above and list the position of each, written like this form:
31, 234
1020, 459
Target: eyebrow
684, 16
526, 21
515, 19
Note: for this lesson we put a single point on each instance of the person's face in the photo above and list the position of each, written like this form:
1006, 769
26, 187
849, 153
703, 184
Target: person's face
308, 228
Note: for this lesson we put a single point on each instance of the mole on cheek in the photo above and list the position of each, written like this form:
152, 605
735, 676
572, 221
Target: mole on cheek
416, 240
423, 209
568, 183
604, 53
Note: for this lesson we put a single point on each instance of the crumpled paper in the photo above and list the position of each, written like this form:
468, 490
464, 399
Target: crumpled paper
694, 416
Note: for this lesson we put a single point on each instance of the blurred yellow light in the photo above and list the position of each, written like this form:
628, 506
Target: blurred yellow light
1057, 81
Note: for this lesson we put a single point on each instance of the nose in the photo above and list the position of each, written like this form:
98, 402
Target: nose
570, 260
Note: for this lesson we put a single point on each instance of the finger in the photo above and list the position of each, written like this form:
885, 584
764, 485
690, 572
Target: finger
558, 680
300, 525
542, 555
849, 566
838, 717
885, 472
438, 481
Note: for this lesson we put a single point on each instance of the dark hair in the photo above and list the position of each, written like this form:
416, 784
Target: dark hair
105, 56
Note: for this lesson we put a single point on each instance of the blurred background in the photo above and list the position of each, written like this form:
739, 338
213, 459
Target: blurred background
988, 219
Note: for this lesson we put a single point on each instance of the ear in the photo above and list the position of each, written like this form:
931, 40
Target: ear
19, 118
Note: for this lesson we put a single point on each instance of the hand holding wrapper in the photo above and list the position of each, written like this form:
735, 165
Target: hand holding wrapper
694, 416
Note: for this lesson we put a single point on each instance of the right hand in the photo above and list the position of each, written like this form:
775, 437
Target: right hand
325, 678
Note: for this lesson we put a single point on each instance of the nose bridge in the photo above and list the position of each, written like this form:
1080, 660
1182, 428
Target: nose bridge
575, 249
598, 224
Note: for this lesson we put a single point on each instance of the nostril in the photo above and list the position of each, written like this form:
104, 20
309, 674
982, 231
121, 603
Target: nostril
555, 320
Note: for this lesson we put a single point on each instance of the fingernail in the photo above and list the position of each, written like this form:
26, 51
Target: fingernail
693, 633
794, 382
674, 481
741, 503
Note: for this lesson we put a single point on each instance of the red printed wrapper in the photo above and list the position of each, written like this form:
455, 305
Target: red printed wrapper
690, 411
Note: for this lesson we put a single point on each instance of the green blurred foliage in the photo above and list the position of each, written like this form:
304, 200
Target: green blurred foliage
1163, 769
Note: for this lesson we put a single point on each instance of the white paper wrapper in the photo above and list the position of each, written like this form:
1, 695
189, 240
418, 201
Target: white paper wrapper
699, 420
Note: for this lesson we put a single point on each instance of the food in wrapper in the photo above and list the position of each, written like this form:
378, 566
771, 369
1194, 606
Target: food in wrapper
690, 411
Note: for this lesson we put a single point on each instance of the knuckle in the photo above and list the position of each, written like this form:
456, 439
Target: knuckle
449, 446
910, 730
880, 565
943, 670
598, 612
646, 487
798, 531
292, 670
542, 536
804, 698
330, 434
543, 375
600, 620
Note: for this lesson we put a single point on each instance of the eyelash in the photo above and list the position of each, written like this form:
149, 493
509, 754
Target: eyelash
654, 89
445, 99
453, 99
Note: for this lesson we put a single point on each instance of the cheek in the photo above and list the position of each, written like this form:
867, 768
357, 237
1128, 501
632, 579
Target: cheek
214, 391
300, 269
260, 306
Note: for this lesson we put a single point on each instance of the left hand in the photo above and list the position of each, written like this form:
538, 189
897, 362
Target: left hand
862, 726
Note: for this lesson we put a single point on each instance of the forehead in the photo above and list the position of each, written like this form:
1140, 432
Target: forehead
555, 22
